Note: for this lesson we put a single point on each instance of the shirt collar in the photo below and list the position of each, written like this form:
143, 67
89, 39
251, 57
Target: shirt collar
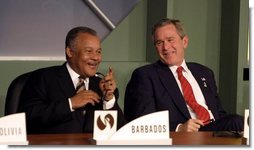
185, 68
74, 75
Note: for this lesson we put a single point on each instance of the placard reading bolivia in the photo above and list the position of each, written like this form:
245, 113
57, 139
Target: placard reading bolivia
13, 130
151, 129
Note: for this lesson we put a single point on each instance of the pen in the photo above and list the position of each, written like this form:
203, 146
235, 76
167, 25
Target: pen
98, 74
208, 121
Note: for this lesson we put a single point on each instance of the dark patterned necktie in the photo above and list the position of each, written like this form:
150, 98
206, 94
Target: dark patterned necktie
80, 85
200, 111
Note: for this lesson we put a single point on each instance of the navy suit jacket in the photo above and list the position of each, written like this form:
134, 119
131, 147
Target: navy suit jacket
153, 88
44, 99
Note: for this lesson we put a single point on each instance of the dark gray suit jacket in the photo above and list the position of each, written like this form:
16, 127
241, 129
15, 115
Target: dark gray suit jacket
153, 88
45, 102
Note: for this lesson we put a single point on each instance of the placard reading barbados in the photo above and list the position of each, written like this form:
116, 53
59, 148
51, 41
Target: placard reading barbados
151, 126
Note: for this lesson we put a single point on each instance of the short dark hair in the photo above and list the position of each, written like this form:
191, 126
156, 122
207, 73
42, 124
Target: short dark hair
166, 21
73, 33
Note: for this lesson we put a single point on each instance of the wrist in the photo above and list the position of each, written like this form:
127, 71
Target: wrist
108, 98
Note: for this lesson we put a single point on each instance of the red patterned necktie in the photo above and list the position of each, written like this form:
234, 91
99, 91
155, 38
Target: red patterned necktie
80, 85
200, 111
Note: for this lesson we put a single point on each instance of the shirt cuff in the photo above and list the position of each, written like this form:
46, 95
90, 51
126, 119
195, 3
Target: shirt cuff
109, 104
69, 99
177, 128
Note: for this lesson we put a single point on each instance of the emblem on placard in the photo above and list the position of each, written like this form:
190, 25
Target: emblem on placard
105, 123
107, 120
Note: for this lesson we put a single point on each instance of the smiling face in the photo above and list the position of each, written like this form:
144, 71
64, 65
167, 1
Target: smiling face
169, 45
85, 55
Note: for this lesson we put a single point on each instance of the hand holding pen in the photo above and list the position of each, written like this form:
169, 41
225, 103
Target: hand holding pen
108, 85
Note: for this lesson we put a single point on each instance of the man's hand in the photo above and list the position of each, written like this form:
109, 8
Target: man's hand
192, 125
84, 97
108, 85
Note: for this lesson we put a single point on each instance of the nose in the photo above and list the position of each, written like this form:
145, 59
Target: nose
96, 56
166, 45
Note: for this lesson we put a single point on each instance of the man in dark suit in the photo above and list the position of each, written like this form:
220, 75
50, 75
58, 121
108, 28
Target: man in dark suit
159, 86
52, 98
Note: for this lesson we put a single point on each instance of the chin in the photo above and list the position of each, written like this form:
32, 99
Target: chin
92, 74
167, 62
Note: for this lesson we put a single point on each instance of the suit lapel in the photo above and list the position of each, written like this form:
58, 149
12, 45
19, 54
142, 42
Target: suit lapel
93, 85
65, 82
169, 82
204, 85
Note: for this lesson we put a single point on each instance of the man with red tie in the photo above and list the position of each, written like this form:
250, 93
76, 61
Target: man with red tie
187, 90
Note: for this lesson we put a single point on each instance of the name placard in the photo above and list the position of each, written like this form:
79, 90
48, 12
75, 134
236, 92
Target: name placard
13, 130
105, 122
151, 129
246, 132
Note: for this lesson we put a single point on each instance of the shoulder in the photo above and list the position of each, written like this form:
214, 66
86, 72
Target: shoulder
49, 72
197, 67
148, 71
151, 67
143, 71
48, 69
200, 70
144, 68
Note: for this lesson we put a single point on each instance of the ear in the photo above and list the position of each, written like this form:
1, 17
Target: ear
185, 41
69, 52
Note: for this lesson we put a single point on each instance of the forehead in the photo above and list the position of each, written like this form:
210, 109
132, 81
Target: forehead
166, 31
85, 38
169, 28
